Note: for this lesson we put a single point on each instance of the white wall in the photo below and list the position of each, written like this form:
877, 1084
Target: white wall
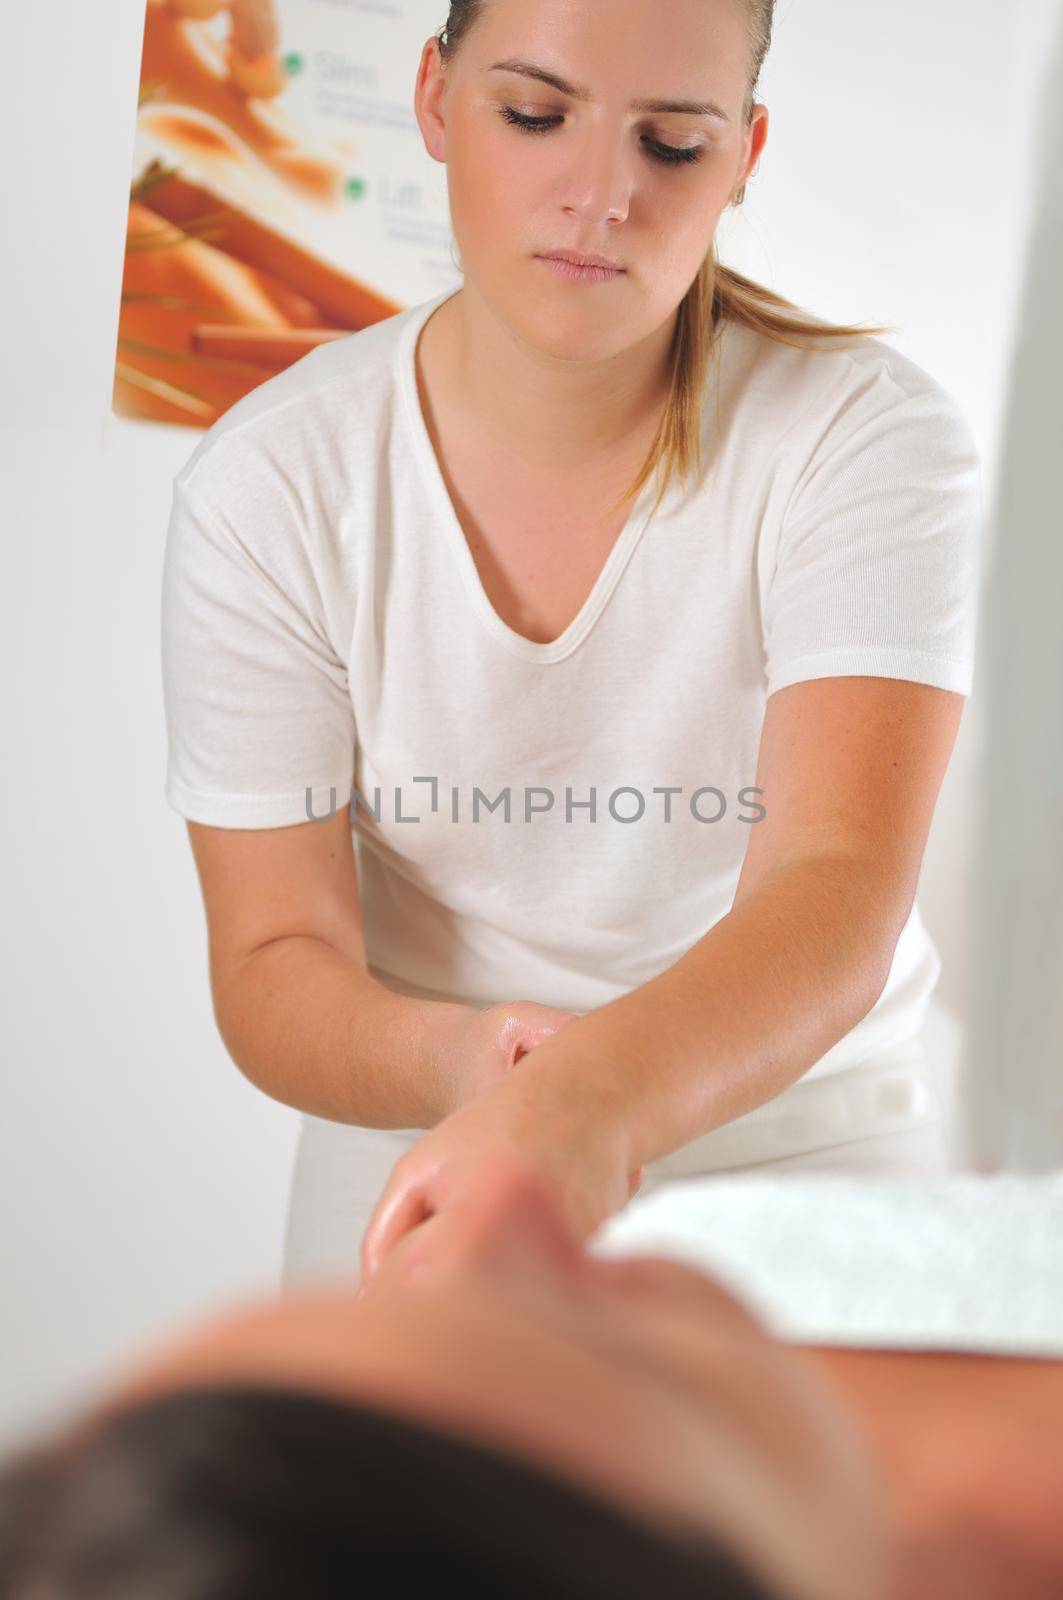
141, 1178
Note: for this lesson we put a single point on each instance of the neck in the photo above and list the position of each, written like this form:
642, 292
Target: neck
540, 408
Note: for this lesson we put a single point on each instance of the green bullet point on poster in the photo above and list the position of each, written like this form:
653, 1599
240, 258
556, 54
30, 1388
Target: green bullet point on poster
293, 64
356, 188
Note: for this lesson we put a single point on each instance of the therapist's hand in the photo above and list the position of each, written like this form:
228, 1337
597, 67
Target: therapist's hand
475, 1049
577, 1153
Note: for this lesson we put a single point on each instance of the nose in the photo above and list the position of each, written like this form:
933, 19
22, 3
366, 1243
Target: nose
597, 186
512, 1224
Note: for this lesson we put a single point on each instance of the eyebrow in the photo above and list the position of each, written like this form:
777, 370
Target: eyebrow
576, 91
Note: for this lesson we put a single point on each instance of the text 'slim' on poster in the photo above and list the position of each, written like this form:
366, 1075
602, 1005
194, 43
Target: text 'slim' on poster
281, 194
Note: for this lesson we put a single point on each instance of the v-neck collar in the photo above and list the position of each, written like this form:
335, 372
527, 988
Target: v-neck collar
607, 580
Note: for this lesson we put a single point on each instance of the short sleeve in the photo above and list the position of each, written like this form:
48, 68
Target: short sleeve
878, 556
257, 704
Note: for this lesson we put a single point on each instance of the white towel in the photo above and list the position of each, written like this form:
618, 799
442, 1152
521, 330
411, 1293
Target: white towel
964, 1262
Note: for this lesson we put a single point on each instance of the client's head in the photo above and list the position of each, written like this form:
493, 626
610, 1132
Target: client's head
499, 1407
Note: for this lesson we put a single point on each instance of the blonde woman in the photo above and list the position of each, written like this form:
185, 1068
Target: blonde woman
561, 674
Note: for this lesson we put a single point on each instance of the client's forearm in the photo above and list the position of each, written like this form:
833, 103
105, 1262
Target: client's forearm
309, 1027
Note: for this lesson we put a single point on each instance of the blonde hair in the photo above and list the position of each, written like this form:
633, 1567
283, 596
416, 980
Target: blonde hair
718, 295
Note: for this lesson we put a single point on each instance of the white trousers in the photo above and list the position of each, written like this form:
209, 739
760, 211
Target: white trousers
881, 1116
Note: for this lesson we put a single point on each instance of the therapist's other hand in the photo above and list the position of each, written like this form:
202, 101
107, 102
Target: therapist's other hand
582, 1160
478, 1049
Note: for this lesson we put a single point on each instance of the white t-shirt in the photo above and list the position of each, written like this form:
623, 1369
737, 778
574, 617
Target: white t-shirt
324, 626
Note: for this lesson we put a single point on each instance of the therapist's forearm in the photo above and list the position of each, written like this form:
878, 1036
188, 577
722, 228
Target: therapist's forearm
310, 1028
748, 1009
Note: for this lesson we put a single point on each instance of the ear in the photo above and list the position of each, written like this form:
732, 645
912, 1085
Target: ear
756, 136
428, 100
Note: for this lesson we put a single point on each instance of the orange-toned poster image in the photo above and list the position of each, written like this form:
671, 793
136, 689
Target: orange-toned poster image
279, 198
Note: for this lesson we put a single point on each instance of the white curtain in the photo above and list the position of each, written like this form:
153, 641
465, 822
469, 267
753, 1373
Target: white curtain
1015, 1038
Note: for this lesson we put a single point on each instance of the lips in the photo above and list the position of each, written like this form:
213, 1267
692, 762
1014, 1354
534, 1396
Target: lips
577, 269
578, 260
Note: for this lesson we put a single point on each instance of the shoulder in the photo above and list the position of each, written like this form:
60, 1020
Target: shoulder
862, 389
285, 481
306, 425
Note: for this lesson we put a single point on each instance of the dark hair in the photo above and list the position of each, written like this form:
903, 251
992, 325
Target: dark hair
717, 296
260, 1493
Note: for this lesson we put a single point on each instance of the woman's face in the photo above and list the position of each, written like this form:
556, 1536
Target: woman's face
637, 1379
600, 176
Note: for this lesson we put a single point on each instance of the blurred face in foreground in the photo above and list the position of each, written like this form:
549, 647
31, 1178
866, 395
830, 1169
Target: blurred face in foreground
638, 1380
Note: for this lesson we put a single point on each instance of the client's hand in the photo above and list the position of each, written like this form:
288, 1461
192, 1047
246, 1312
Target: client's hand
580, 1158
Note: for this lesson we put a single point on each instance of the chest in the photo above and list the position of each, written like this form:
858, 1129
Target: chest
539, 542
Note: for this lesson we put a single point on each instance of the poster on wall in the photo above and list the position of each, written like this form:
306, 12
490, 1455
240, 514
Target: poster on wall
281, 194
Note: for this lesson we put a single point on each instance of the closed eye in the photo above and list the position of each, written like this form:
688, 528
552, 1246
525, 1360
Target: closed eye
668, 154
